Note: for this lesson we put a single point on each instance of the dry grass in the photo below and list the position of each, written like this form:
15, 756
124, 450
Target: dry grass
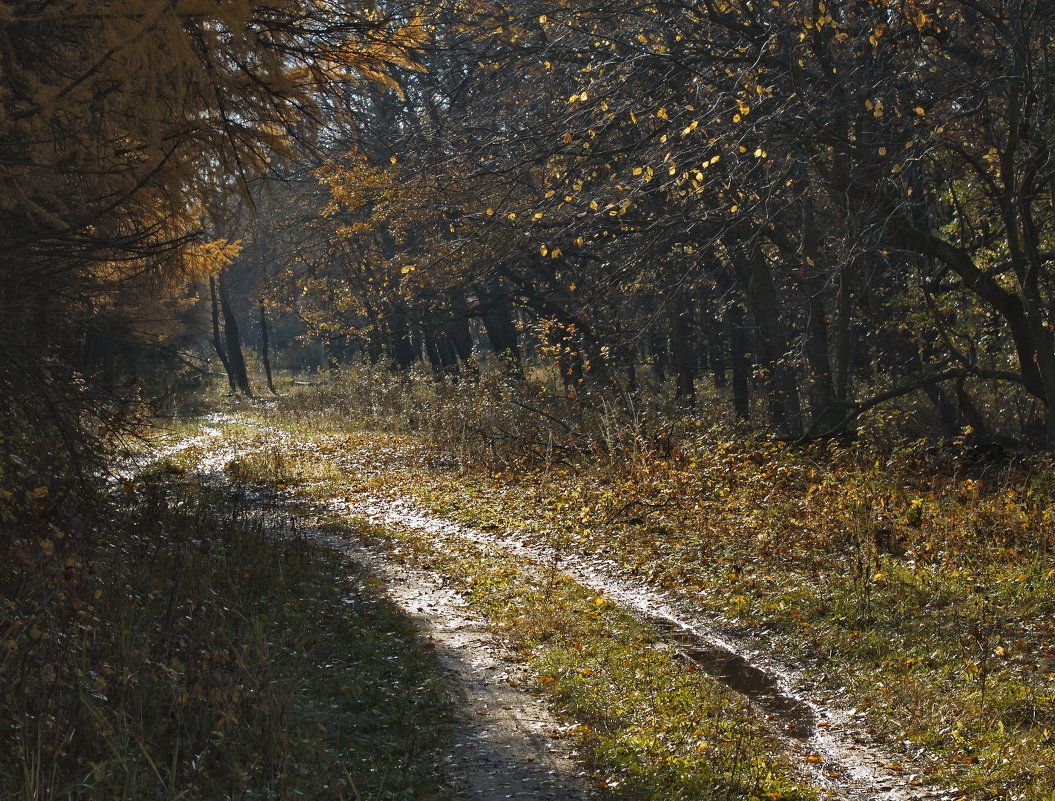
177, 648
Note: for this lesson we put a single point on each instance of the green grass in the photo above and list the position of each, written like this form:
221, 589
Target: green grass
650, 725
180, 649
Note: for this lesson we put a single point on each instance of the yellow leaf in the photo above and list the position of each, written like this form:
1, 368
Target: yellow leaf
490, 212
593, 205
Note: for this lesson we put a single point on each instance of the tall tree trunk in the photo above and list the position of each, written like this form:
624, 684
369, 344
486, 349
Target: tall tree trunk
233, 341
217, 340
771, 340
739, 359
843, 338
265, 348
734, 320
826, 416
710, 330
400, 348
683, 356
457, 327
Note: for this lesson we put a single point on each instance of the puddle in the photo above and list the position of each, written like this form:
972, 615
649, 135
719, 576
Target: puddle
795, 717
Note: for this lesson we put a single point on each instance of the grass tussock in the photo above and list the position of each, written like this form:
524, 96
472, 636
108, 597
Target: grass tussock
177, 648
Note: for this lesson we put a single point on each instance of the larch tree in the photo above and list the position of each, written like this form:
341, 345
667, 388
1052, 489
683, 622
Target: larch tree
119, 126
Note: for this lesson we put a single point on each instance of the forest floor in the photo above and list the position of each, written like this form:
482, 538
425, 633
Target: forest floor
505, 741
573, 675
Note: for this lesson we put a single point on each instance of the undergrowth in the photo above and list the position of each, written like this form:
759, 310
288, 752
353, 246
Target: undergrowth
177, 648
917, 578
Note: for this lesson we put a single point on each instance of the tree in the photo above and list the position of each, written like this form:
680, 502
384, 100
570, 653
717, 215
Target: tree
119, 126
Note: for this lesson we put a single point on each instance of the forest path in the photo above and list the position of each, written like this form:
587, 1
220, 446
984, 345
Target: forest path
508, 744
508, 751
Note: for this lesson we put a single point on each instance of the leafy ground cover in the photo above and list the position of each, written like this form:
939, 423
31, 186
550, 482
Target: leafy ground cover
919, 581
650, 725
181, 648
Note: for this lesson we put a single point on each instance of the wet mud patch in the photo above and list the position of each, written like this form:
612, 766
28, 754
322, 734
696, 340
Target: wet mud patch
795, 717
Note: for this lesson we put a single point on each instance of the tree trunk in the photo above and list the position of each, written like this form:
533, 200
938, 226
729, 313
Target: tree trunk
496, 313
265, 348
843, 339
399, 347
233, 342
771, 340
739, 359
457, 327
217, 341
710, 329
683, 356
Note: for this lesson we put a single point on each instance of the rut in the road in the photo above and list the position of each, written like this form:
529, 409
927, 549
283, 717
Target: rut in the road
836, 757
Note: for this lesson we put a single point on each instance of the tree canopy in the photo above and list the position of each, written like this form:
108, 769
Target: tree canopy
825, 206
